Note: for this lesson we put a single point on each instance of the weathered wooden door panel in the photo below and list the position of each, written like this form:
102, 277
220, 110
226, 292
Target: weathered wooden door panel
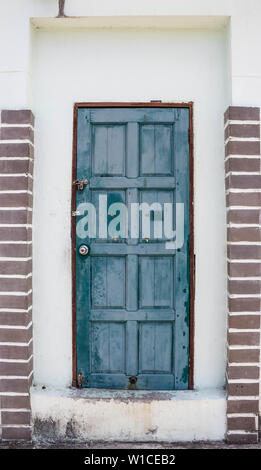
132, 293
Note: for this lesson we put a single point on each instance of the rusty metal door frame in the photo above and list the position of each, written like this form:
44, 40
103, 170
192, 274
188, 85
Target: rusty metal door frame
151, 104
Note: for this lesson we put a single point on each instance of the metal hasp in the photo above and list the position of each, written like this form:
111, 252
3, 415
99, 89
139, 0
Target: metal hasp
83, 250
132, 383
80, 184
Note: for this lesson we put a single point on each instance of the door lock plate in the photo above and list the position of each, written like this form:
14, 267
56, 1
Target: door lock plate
80, 184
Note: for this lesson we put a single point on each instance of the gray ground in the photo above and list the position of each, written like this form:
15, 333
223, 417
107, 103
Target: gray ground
74, 444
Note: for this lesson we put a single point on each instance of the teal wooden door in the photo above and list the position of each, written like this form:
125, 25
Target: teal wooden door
132, 292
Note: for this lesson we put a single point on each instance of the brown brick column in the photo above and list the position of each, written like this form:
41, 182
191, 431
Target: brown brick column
243, 196
16, 362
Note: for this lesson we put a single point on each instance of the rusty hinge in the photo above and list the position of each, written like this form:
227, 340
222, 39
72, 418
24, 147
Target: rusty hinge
80, 381
80, 184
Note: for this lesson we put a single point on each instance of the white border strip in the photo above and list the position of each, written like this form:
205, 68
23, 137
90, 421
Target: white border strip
17, 125
20, 361
15, 327
244, 397
16, 141
18, 294
16, 310
16, 344
238, 121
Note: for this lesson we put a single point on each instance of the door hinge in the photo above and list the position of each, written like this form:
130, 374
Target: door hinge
80, 381
80, 184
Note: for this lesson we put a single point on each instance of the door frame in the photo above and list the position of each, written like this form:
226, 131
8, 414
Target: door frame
150, 104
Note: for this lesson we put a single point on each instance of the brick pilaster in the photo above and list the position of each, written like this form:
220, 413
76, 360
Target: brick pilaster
16, 360
243, 196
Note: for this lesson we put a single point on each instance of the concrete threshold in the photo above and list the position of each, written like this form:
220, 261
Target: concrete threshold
99, 415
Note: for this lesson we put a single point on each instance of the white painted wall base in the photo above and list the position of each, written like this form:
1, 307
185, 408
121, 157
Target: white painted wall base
129, 415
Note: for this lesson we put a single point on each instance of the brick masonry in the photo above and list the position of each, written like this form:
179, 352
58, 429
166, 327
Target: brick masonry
243, 197
16, 353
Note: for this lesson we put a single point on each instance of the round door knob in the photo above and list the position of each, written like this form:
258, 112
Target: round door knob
83, 250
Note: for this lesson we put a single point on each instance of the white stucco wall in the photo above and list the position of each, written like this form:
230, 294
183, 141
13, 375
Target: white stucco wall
126, 65
15, 36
